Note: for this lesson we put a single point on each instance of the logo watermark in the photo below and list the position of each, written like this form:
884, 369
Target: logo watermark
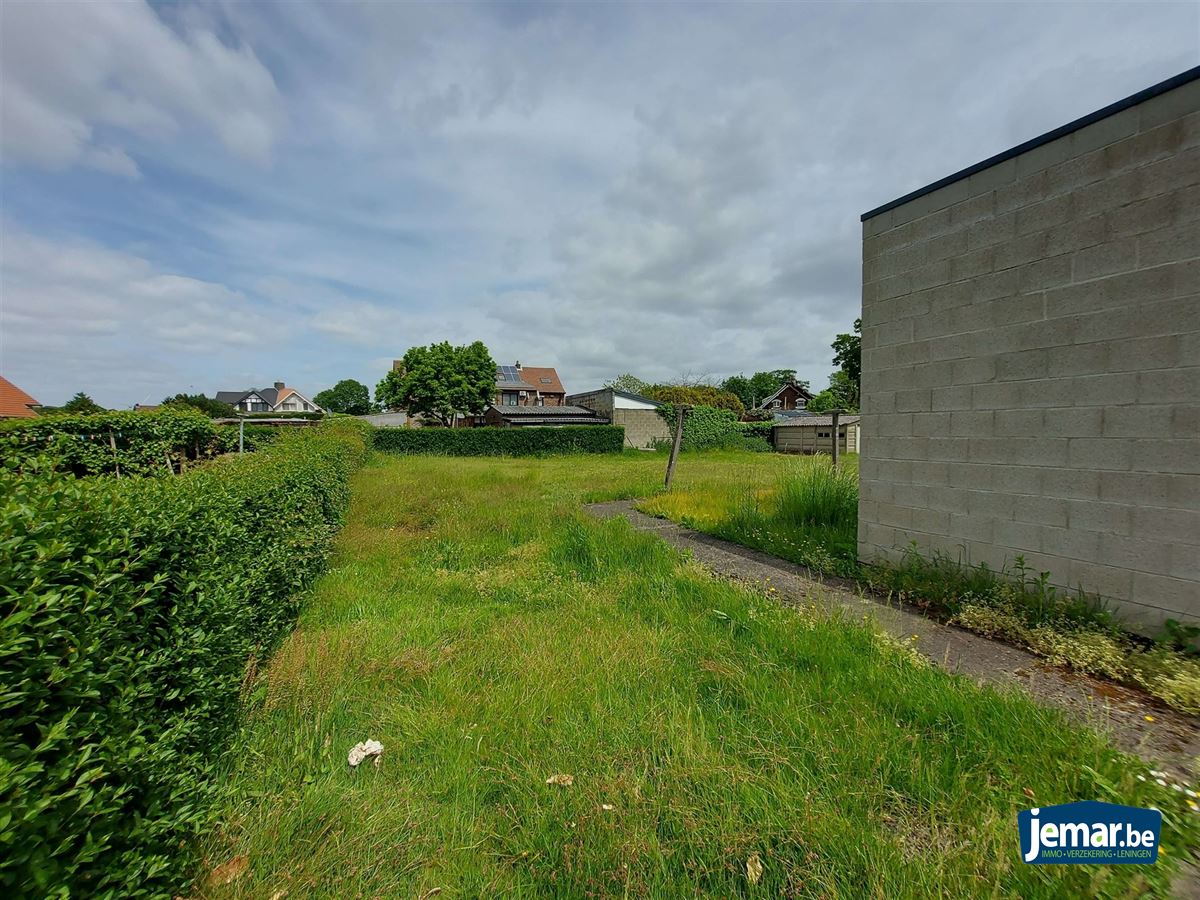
1089, 832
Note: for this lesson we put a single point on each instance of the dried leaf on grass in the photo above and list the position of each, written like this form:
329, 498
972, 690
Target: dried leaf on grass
564, 780
754, 869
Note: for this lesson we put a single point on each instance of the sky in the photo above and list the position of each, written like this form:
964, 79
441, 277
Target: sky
203, 196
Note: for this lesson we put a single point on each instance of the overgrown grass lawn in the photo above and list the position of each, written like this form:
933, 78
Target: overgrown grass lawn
491, 636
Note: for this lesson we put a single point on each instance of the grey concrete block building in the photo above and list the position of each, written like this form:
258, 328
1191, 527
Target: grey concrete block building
639, 416
1031, 359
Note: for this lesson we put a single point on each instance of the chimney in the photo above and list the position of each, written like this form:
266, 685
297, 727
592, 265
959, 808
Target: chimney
397, 365
518, 366
279, 385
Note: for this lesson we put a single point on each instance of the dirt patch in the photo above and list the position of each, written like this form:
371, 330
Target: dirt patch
1136, 722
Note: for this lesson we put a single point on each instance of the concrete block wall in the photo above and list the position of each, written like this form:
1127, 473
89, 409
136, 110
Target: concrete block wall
642, 426
1031, 363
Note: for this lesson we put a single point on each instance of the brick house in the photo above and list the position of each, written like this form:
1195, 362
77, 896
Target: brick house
789, 398
1031, 359
528, 386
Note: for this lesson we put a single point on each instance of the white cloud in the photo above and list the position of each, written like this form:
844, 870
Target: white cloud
605, 187
70, 70
65, 305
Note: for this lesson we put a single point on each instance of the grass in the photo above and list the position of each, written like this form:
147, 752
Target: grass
809, 515
797, 508
491, 636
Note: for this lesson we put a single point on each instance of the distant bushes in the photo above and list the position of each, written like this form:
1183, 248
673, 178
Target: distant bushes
132, 610
527, 441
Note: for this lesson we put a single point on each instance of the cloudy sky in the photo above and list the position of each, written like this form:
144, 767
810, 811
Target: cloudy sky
204, 196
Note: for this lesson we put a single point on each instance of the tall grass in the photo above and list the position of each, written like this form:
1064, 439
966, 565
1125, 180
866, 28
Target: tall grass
818, 495
491, 637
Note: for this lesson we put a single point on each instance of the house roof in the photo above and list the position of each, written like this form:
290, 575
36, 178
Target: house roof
628, 395
1062, 131
14, 402
816, 422
543, 411
271, 396
233, 398
803, 391
529, 378
543, 379
792, 414
550, 415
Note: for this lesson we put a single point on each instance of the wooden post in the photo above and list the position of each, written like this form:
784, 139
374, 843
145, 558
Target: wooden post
112, 443
836, 442
167, 458
241, 435
679, 411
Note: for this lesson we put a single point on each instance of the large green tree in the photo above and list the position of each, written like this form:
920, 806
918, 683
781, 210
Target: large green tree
845, 385
847, 353
842, 393
441, 381
347, 396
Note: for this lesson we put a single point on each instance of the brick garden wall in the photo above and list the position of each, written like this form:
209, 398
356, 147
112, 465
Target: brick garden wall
1031, 363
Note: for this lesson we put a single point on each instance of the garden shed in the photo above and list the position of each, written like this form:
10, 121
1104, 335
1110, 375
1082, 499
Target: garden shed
814, 434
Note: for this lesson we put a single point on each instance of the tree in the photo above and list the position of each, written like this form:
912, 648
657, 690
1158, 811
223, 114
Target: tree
627, 382
695, 395
842, 393
81, 403
347, 396
847, 354
441, 381
753, 390
213, 408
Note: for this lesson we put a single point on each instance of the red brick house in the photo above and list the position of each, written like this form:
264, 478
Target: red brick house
528, 386
789, 398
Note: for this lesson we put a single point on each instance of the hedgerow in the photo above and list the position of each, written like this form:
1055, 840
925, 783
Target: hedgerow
131, 611
128, 443
527, 441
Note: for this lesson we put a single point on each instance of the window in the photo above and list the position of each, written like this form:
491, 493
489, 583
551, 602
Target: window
822, 434
541, 401
775, 404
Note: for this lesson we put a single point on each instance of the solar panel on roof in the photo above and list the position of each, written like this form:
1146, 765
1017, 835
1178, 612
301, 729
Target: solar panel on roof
509, 373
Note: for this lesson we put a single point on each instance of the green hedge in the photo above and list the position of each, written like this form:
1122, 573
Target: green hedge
133, 443
527, 441
131, 611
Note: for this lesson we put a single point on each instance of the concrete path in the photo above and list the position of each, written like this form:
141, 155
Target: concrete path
1170, 742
